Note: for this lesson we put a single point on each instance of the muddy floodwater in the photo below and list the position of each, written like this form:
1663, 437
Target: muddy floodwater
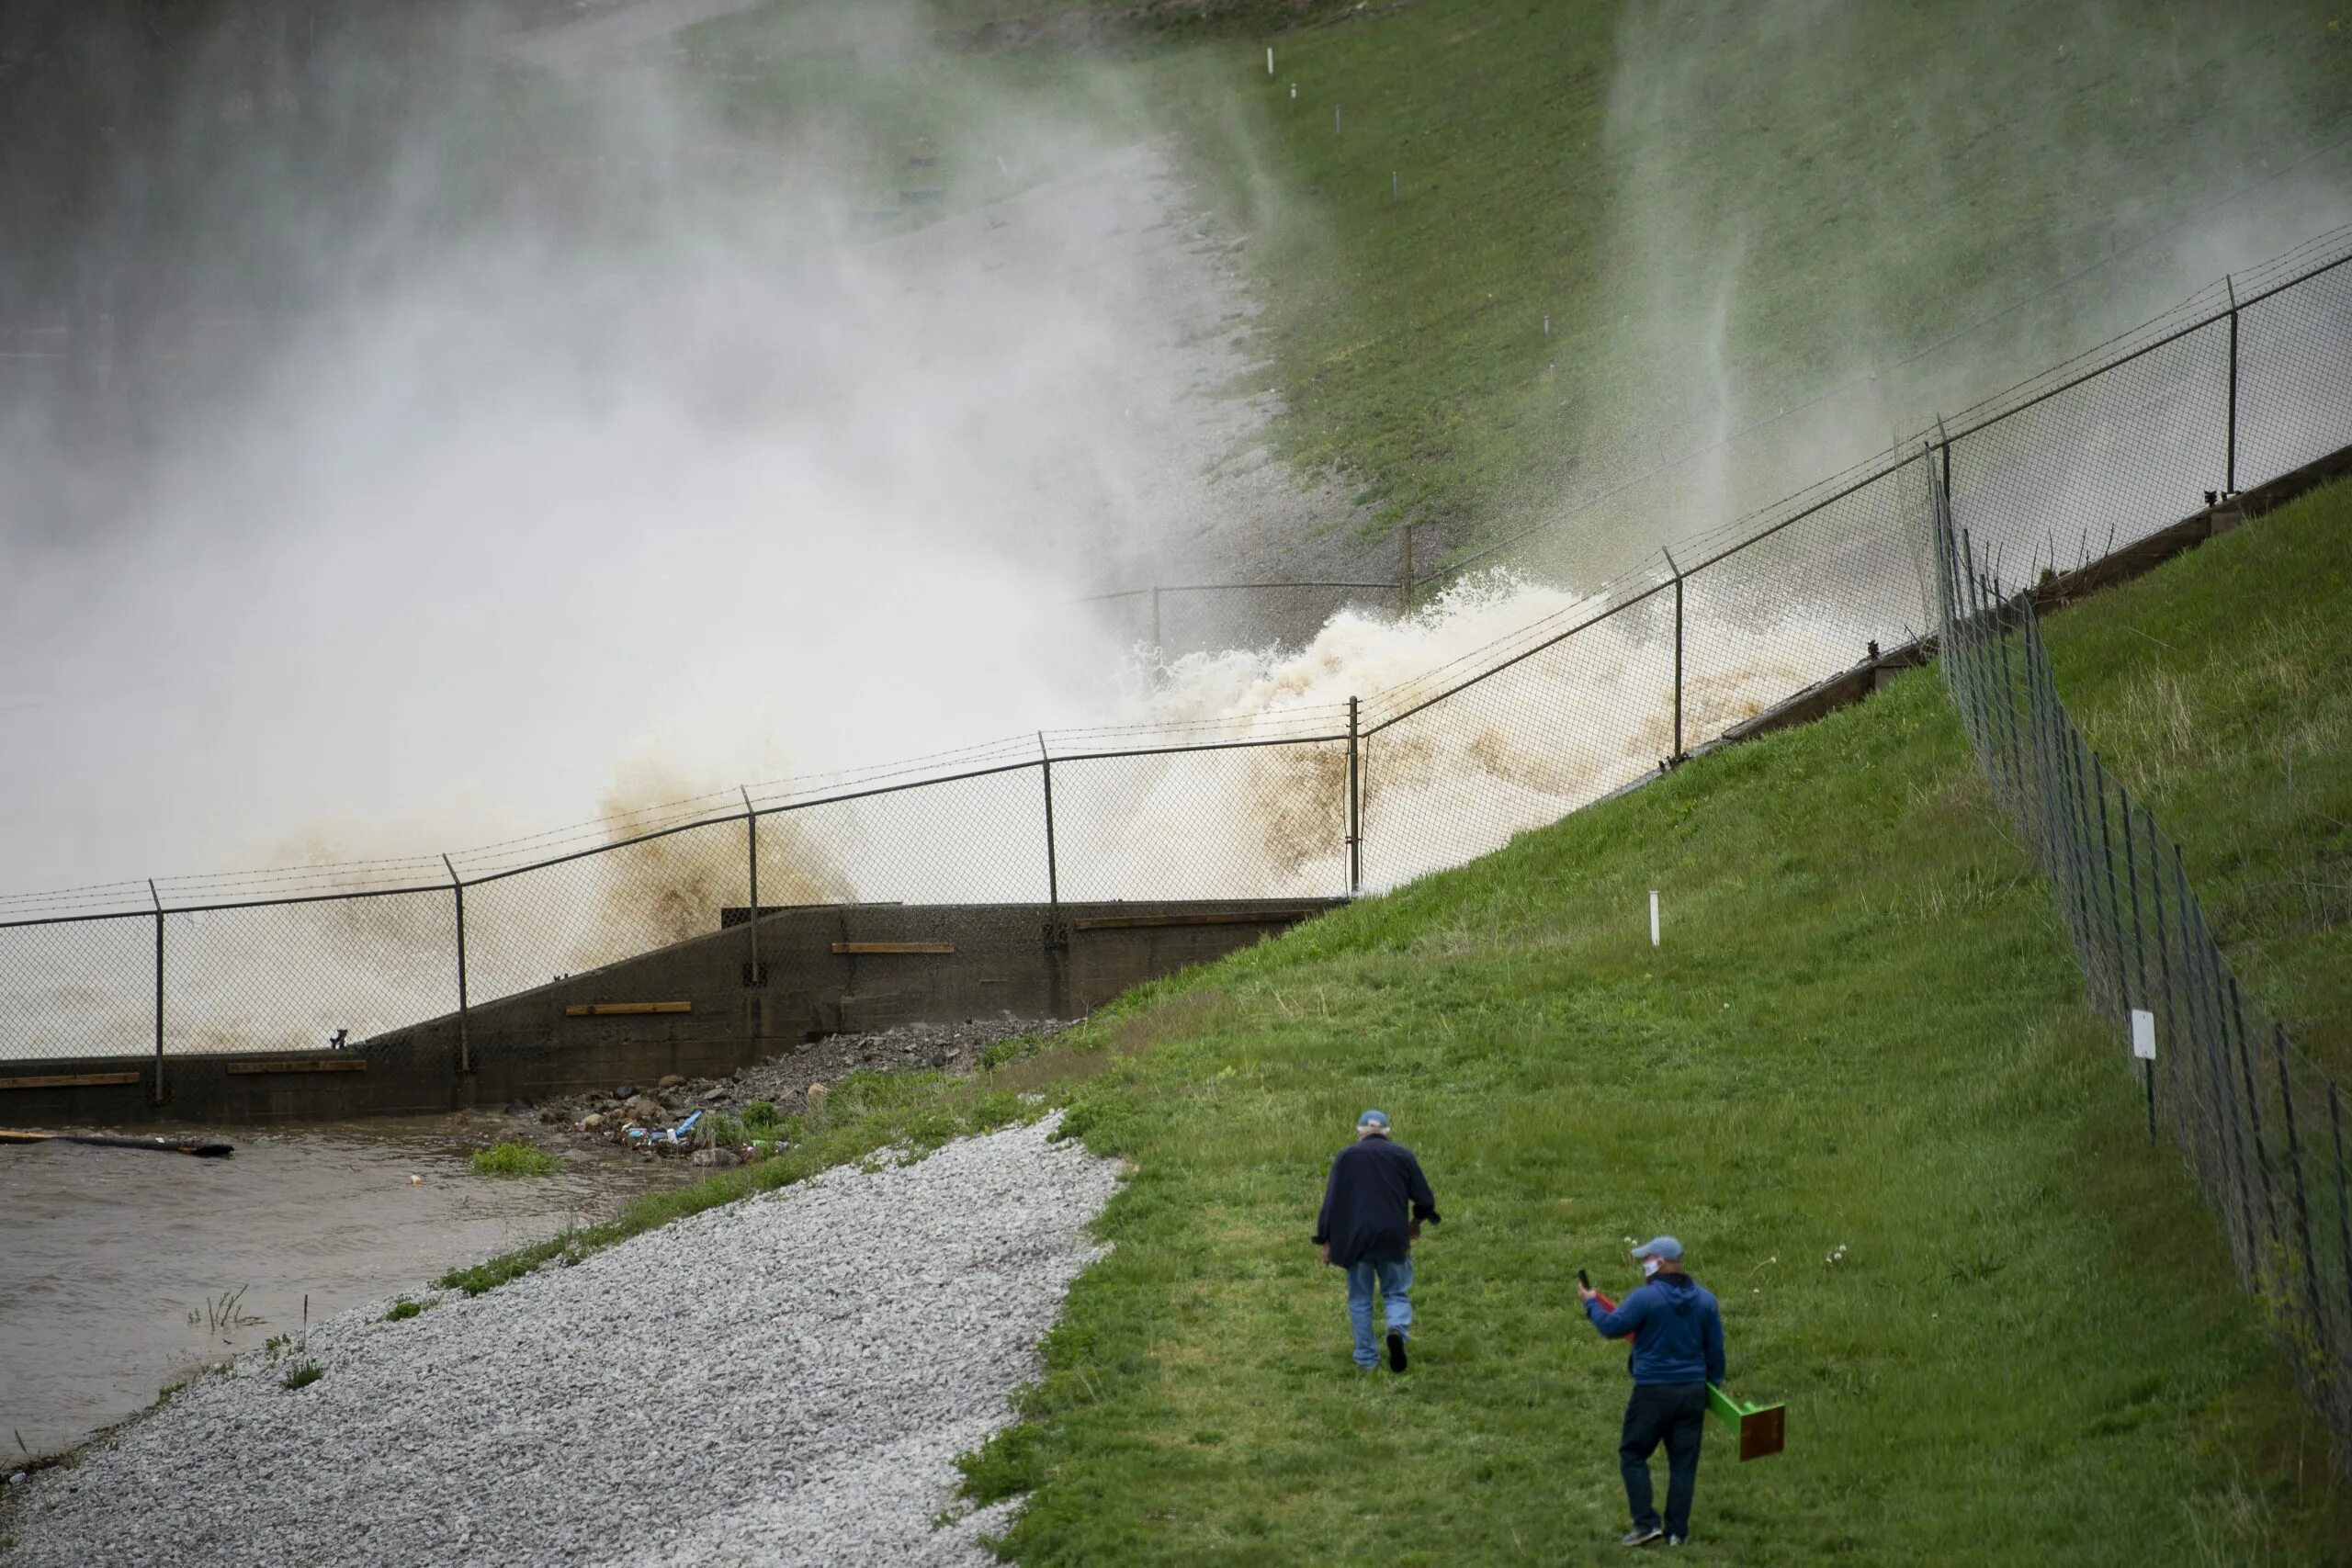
122, 1270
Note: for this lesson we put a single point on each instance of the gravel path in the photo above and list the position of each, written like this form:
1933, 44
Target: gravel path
783, 1381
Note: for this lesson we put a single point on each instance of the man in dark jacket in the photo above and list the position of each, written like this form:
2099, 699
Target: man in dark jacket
1678, 1333
1372, 1208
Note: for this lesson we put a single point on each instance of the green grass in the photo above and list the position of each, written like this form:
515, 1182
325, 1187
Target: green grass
304, 1374
2217, 688
1722, 209
1846, 187
403, 1310
894, 113
513, 1160
1863, 1030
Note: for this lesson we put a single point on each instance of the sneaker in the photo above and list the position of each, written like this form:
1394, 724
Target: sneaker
1396, 1350
1676, 1540
1641, 1535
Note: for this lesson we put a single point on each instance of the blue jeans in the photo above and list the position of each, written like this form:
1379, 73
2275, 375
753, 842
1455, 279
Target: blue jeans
1676, 1414
1396, 1281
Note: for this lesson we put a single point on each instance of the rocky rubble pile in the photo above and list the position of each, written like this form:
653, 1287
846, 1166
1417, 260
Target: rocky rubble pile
792, 1083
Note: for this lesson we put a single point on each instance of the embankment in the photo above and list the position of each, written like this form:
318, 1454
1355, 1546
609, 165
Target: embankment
786, 1380
1856, 1079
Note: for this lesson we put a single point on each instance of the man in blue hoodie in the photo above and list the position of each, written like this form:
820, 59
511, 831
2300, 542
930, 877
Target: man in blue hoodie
1372, 1208
1677, 1334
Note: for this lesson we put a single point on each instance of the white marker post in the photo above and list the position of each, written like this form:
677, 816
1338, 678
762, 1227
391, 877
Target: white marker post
1652, 917
2144, 1049
1269, 60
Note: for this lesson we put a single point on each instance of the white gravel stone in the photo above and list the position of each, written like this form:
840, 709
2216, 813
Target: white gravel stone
785, 1380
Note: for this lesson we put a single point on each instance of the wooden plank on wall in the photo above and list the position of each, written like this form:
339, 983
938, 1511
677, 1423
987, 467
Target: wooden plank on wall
1191, 918
624, 1010
894, 947
301, 1065
71, 1080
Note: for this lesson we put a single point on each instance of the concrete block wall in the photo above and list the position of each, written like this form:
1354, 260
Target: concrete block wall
818, 974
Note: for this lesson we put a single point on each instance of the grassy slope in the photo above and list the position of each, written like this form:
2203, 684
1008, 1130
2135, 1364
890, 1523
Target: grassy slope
1863, 1030
992, 96
1846, 187
1854, 184
2217, 687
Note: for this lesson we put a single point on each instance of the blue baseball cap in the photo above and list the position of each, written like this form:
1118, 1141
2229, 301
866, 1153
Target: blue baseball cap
1373, 1119
1666, 1249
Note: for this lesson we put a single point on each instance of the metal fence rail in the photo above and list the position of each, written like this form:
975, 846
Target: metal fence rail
2257, 337
2244, 383
2260, 1126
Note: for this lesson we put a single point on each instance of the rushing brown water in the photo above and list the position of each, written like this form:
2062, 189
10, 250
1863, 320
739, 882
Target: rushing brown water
115, 1263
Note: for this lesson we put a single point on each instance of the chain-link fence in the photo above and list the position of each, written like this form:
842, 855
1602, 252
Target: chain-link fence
2246, 368
1176, 618
2260, 1126
1273, 790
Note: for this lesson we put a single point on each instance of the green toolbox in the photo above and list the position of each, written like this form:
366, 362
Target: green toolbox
1758, 1426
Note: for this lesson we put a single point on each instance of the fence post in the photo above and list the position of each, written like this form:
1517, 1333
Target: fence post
2063, 749
2131, 872
2015, 753
752, 978
157, 1094
2199, 965
2343, 1196
1677, 654
2094, 916
2114, 903
1971, 604
1355, 806
2302, 1206
2164, 947
2230, 473
2253, 1112
1405, 574
1053, 869
2139, 943
2045, 758
2059, 781
464, 1025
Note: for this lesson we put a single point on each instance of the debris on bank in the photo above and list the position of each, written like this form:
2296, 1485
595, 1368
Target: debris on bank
725, 1122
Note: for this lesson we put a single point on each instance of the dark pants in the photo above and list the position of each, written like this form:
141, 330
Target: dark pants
1676, 1414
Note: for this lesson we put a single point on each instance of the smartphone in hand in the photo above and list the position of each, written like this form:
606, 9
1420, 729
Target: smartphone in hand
1584, 1279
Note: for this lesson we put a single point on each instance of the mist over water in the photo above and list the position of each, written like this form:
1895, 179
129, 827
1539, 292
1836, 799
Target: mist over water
1791, 292
585, 451
637, 455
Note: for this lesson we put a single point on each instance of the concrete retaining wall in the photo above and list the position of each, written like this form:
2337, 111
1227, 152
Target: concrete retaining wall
696, 1008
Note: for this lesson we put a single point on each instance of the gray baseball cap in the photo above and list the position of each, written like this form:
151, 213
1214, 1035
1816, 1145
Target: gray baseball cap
1665, 1248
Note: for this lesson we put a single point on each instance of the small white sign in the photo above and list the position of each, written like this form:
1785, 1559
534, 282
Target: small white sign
1652, 917
2144, 1034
